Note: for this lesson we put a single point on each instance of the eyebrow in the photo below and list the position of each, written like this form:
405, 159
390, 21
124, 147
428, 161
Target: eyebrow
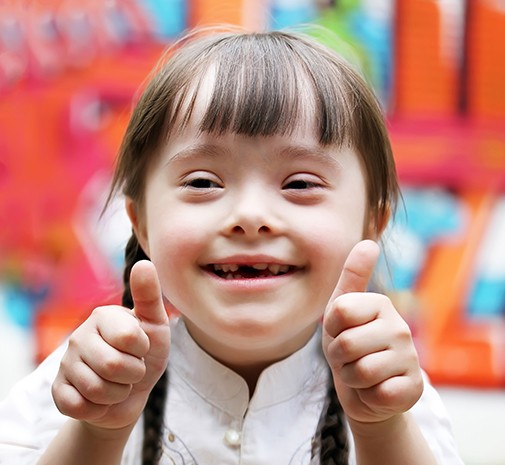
198, 150
314, 153
310, 152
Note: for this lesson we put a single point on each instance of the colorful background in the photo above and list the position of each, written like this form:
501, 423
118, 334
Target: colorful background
70, 69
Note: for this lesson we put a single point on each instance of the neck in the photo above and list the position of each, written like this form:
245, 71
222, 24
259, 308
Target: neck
249, 360
250, 373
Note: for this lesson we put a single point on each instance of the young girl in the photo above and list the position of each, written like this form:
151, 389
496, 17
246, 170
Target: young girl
258, 177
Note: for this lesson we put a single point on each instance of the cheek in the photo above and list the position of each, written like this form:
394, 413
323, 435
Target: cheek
329, 245
173, 241
174, 244
172, 227
329, 250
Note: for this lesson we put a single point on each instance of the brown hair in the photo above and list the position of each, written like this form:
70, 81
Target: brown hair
266, 83
260, 89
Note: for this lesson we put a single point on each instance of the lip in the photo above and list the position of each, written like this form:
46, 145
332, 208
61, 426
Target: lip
260, 284
252, 283
245, 260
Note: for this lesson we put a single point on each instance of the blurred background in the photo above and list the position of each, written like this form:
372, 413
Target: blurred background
69, 71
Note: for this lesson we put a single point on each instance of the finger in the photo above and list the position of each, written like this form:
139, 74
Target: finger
373, 369
356, 342
395, 394
357, 309
93, 388
150, 310
146, 293
358, 269
111, 364
71, 403
120, 329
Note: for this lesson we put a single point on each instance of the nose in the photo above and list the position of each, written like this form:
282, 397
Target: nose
251, 213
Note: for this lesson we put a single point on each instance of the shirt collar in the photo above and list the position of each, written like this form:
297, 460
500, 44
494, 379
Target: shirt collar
303, 371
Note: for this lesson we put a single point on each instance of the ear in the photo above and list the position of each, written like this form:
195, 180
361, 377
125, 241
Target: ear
138, 224
376, 225
383, 221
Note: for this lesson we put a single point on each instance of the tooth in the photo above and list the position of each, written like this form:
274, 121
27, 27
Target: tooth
260, 266
229, 276
274, 268
284, 268
217, 267
227, 267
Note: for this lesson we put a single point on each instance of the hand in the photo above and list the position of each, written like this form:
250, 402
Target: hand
115, 357
368, 345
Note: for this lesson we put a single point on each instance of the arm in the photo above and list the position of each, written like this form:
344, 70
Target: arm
397, 440
375, 367
112, 362
101, 446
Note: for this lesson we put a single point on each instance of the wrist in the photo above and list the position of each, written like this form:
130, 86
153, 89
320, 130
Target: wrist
103, 446
379, 430
397, 440
99, 433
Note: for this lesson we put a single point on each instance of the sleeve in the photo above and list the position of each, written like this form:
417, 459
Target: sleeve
433, 421
29, 418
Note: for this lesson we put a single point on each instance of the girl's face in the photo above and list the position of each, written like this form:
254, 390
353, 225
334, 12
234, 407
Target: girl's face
249, 236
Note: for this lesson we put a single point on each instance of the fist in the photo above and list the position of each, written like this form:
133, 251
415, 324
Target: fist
115, 357
368, 345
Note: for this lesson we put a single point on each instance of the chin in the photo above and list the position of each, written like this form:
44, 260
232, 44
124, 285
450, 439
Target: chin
251, 328
257, 333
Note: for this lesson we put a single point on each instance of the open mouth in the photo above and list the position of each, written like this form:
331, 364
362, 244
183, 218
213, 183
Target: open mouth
253, 271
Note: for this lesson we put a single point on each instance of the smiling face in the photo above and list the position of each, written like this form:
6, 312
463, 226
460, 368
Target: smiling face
251, 165
249, 235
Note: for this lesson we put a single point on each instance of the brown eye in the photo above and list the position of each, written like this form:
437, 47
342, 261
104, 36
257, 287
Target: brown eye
299, 184
201, 183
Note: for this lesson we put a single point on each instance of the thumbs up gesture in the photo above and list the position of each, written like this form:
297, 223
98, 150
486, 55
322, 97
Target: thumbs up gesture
115, 357
368, 345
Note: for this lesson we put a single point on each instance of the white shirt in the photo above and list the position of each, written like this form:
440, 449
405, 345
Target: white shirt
209, 418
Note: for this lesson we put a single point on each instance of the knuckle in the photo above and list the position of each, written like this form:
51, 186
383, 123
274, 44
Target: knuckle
74, 409
413, 359
344, 303
70, 405
417, 385
383, 300
121, 368
67, 364
74, 342
345, 345
403, 337
93, 391
138, 372
386, 394
364, 370
112, 366
403, 328
98, 312
128, 336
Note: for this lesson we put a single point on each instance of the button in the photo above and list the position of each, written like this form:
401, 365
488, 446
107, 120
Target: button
232, 437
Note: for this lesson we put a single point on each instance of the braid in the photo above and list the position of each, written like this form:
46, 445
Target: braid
153, 422
153, 411
331, 437
133, 254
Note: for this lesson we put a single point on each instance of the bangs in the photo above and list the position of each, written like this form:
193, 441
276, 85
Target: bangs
258, 84
262, 85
